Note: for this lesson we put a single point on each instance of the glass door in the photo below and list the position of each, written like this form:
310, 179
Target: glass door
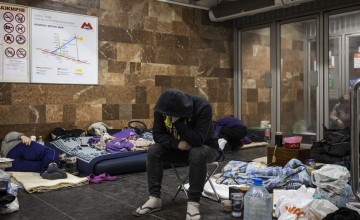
256, 78
299, 79
343, 66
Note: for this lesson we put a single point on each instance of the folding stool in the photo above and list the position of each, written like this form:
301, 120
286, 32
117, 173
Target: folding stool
181, 186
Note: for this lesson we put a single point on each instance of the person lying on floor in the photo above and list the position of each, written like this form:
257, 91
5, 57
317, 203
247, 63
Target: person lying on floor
30, 156
183, 133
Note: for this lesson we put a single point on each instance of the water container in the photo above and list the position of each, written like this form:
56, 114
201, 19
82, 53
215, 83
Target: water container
257, 202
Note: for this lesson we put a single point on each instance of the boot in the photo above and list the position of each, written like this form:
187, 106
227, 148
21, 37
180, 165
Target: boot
71, 165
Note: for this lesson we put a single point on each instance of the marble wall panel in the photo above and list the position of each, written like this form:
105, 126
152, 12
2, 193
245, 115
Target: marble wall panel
140, 111
129, 52
139, 80
107, 50
145, 47
161, 80
120, 94
112, 79
153, 93
150, 24
200, 82
37, 114
140, 94
163, 54
182, 81
54, 113
135, 68
5, 94
113, 18
180, 28
125, 111
5, 114
110, 112
178, 57
252, 95
69, 113
82, 113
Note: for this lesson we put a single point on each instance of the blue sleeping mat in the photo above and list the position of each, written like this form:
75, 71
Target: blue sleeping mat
93, 161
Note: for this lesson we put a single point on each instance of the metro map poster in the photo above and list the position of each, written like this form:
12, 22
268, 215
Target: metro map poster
64, 48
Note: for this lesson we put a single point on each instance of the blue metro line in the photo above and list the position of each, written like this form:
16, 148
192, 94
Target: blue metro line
64, 45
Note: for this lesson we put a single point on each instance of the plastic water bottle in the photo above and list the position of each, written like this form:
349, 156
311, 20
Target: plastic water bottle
41, 140
257, 202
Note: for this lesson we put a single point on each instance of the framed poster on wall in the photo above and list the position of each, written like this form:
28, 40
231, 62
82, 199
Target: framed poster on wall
14, 43
64, 48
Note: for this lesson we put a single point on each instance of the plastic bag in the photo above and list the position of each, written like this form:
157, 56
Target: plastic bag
302, 206
336, 175
4, 176
333, 136
14, 205
346, 196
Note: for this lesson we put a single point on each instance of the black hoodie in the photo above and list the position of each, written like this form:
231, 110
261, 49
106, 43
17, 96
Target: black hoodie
194, 126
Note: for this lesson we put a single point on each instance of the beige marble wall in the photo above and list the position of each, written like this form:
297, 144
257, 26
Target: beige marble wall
145, 46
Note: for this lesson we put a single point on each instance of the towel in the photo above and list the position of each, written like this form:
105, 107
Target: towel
33, 182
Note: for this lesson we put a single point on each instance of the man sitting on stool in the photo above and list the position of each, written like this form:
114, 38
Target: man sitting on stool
183, 132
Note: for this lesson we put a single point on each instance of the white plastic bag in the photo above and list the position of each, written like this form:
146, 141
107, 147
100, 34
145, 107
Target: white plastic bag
301, 206
10, 208
14, 206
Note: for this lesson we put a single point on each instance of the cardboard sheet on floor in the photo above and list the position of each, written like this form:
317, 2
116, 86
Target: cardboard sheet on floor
33, 182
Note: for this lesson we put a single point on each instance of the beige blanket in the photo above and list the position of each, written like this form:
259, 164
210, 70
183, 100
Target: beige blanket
255, 144
33, 182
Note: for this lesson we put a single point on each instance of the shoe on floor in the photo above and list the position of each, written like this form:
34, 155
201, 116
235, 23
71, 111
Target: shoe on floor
193, 212
152, 205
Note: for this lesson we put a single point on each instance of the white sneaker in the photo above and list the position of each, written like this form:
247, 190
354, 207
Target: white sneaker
193, 212
152, 205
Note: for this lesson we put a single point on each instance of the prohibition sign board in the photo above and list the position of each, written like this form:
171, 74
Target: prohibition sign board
20, 39
9, 38
20, 28
9, 52
8, 16
8, 27
21, 53
20, 18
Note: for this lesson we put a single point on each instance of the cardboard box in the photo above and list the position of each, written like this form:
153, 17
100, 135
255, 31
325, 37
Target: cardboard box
284, 155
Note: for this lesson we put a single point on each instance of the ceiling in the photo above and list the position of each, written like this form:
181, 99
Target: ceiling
201, 4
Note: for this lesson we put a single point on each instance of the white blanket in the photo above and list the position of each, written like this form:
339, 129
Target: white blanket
33, 182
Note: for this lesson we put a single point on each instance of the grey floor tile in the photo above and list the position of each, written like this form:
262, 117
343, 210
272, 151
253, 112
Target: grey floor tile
118, 199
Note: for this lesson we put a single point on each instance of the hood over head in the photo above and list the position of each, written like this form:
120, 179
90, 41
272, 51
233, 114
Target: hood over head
175, 103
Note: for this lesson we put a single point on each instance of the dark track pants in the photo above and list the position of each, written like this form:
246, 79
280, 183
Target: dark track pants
32, 158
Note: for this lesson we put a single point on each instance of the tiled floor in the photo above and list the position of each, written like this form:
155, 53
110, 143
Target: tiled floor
117, 199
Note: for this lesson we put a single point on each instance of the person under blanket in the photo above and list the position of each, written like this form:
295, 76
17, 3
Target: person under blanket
28, 156
183, 133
